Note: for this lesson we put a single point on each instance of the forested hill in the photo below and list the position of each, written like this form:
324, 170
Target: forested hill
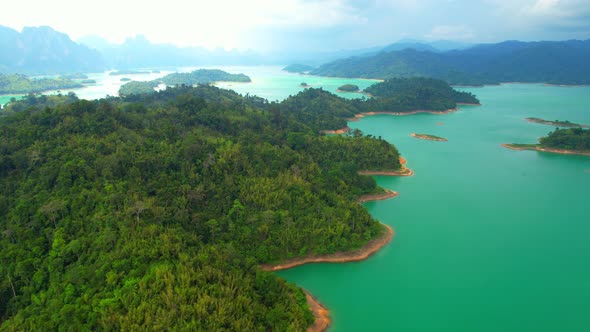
42, 50
563, 62
15, 83
199, 76
155, 211
576, 139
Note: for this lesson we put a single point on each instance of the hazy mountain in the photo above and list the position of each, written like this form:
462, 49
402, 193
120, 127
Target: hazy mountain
564, 62
138, 52
42, 50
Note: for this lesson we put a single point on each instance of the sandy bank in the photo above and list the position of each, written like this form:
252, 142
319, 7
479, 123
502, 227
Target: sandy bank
336, 132
340, 257
429, 137
362, 115
378, 197
403, 172
538, 148
321, 314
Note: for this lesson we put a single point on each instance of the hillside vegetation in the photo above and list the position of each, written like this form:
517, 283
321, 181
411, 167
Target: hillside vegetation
562, 62
153, 212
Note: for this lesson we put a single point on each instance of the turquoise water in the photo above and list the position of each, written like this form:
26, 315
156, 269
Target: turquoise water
487, 239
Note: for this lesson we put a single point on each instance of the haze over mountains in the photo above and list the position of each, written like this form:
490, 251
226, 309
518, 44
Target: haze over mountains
42, 50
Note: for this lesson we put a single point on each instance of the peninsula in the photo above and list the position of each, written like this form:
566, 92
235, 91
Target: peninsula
563, 141
557, 123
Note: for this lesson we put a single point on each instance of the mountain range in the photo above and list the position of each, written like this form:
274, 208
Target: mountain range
554, 62
42, 50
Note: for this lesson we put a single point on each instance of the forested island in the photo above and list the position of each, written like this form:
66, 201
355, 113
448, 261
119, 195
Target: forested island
429, 137
200, 76
298, 68
21, 84
348, 88
155, 211
565, 141
557, 123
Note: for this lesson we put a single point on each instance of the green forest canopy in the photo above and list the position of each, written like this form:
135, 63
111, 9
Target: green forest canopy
199, 76
154, 211
16, 83
577, 139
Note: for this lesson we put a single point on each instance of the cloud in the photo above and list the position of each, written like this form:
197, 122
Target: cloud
450, 32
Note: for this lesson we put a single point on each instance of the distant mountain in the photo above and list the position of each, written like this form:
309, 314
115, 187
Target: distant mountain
42, 50
564, 62
138, 52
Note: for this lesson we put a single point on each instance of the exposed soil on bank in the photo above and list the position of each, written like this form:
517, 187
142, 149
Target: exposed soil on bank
321, 314
340, 257
378, 197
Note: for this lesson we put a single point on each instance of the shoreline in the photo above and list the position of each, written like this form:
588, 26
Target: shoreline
378, 197
340, 257
540, 149
321, 314
468, 104
403, 172
359, 116
336, 132
429, 137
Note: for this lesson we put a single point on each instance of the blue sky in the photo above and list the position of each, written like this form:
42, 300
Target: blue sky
307, 24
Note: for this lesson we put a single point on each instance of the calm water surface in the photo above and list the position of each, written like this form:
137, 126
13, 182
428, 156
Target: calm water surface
487, 239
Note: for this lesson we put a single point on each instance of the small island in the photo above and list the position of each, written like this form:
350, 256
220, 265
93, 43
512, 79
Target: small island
88, 81
557, 123
200, 76
125, 79
429, 137
17, 84
563, 141
304, 85
298, 68
348, 88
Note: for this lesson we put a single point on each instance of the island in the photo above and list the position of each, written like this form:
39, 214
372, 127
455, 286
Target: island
200, 76
429, 137
21, 84
348, 88
298, 68
88, 81
563, 141
557, 123
304, 85
125, 79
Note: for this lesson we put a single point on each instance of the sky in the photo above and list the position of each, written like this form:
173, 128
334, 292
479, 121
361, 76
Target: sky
267, 25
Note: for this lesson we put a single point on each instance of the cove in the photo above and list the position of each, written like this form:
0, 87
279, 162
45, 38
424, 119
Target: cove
487, 239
